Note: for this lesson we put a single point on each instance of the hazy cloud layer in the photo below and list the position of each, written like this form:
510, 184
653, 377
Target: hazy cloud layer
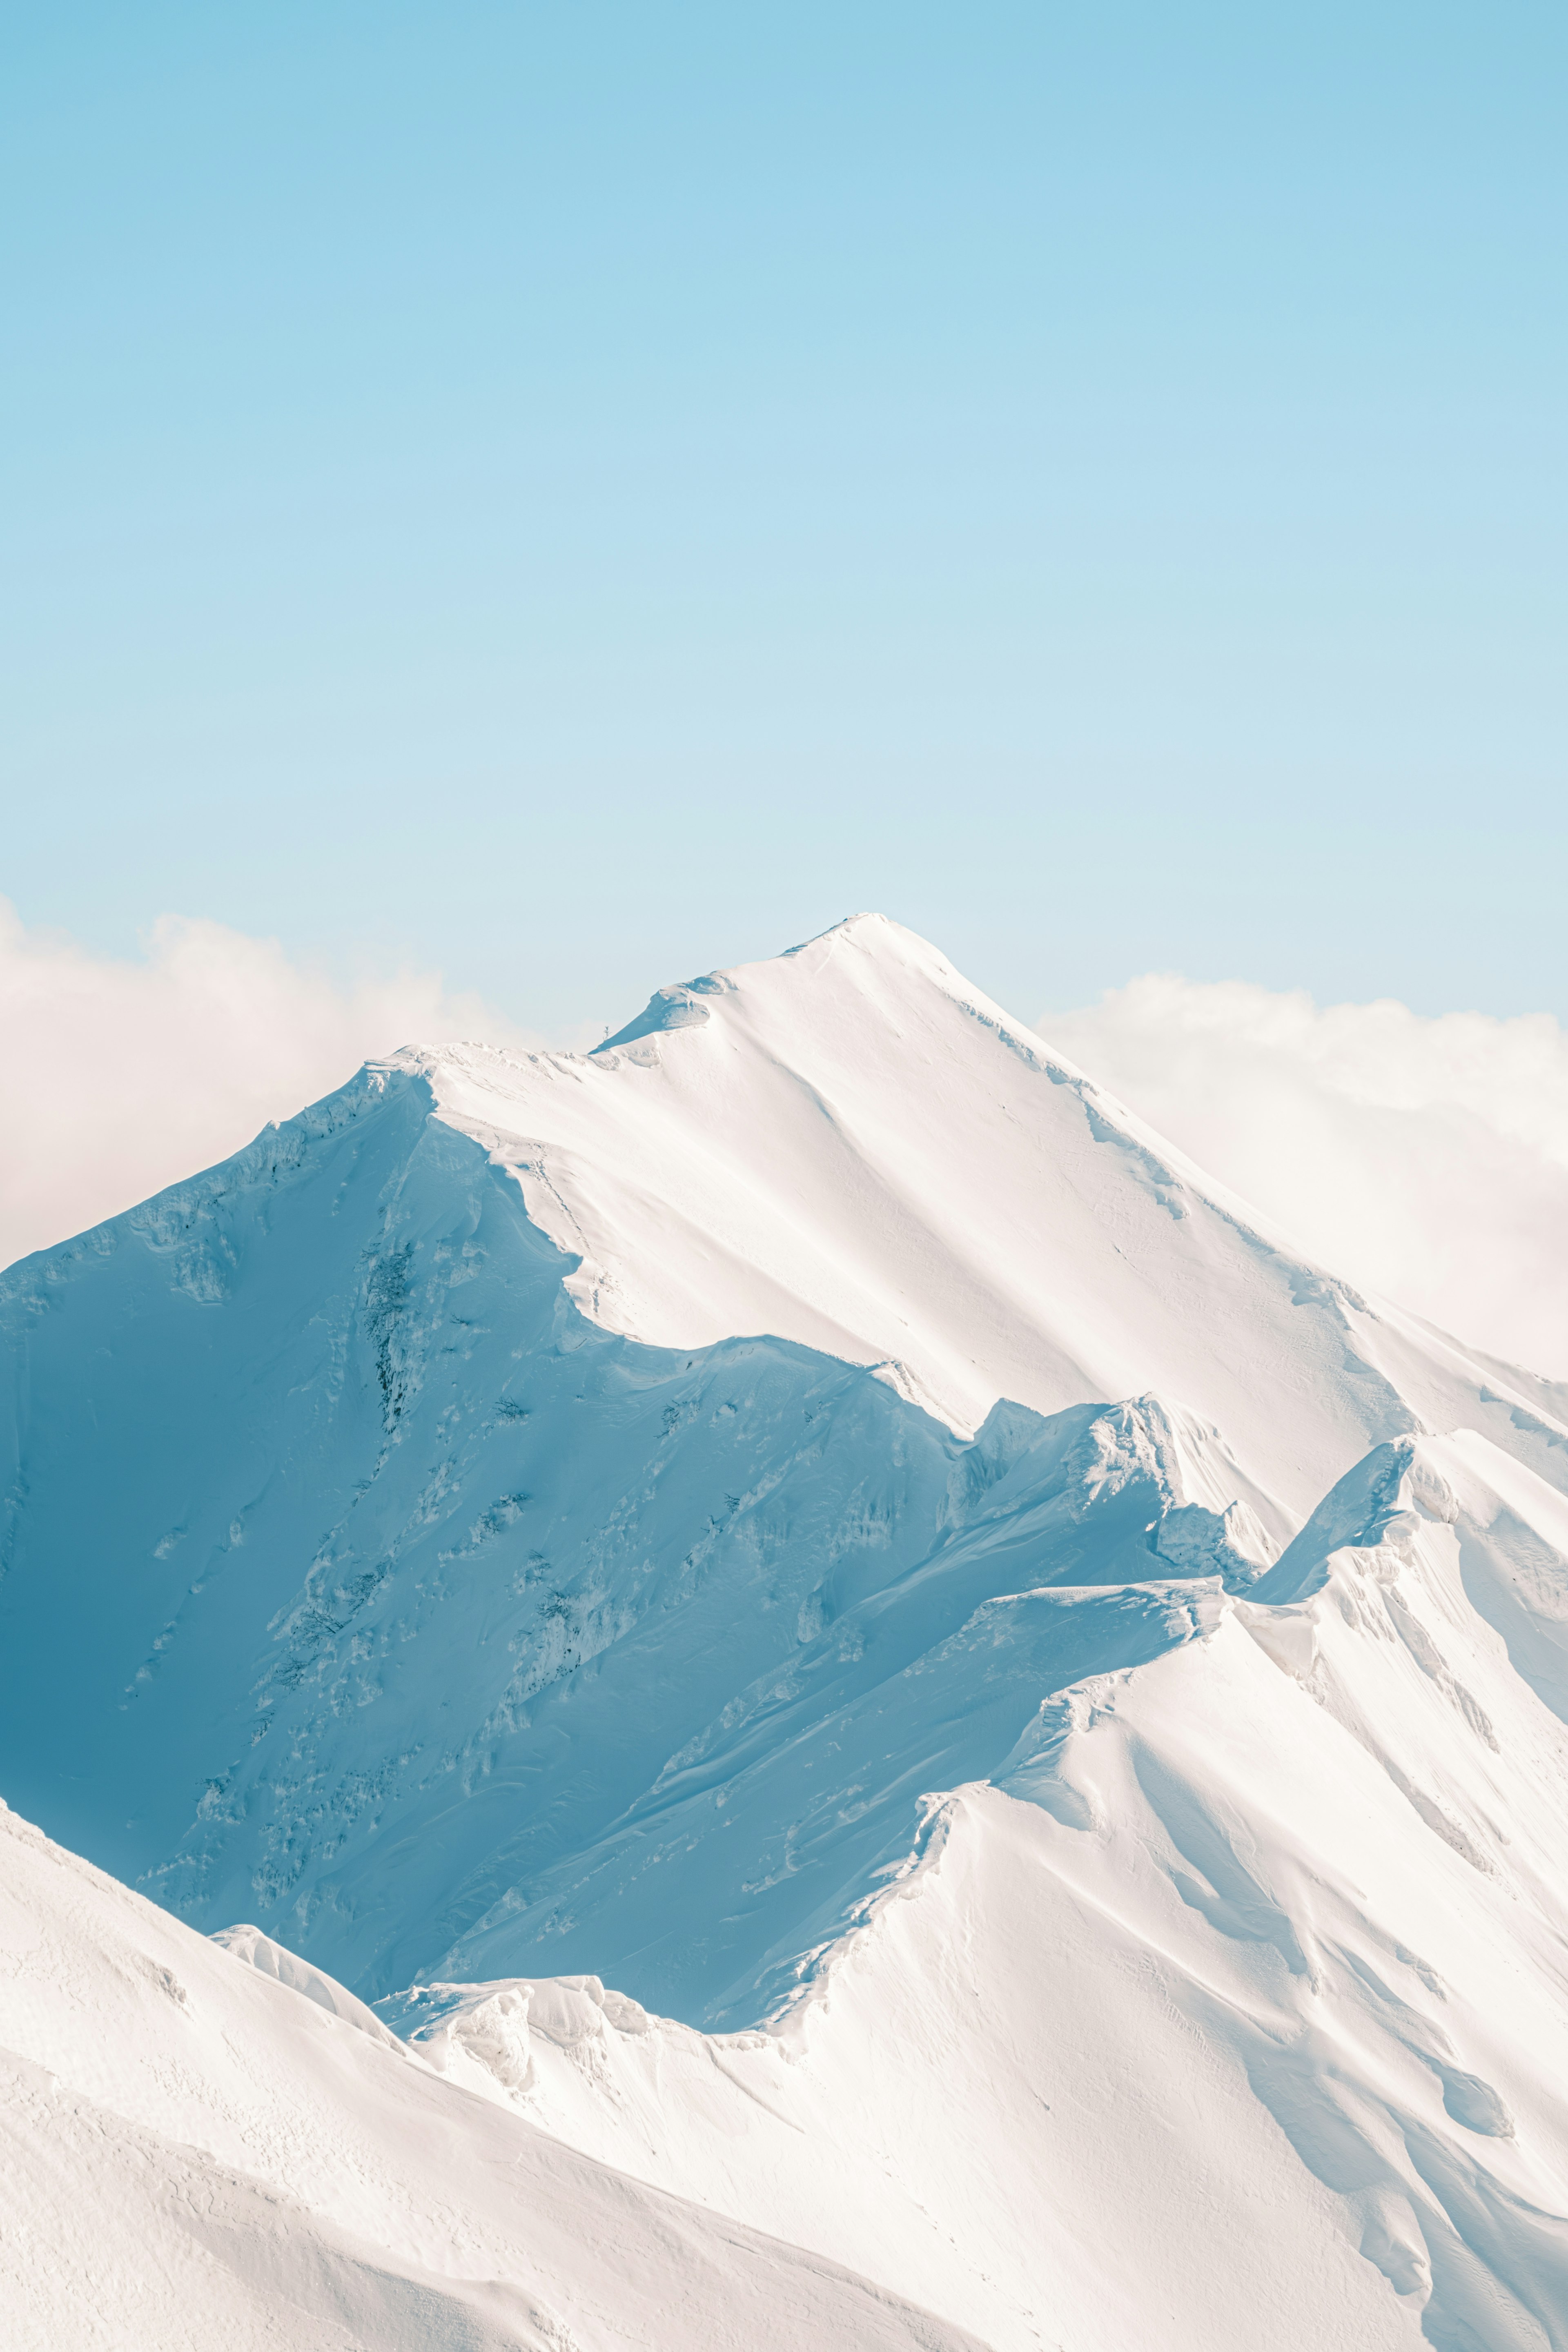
120, 1076
1427, 1159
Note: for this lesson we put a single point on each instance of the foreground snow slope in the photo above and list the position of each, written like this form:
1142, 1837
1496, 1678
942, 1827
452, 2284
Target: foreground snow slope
409, 1547
1231, 2012
193, 2154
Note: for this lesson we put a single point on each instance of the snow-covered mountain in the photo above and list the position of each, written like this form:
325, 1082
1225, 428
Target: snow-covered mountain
812, 1518
192, 2156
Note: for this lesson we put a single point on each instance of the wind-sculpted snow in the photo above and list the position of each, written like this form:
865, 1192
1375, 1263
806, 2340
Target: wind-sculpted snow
193, 2155
812, 1522
1257, 1947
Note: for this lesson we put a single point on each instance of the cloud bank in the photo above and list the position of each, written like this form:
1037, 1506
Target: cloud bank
119, 1076
1424, 1158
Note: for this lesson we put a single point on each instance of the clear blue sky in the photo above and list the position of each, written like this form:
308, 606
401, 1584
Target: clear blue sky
579, 494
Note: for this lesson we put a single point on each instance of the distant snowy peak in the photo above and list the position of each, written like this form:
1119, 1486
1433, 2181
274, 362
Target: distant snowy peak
851, 1147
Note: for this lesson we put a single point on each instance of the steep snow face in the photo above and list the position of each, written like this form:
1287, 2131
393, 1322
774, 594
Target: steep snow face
449, 1603
1254, 1945
443, 1629
192, 2154
1257, 1945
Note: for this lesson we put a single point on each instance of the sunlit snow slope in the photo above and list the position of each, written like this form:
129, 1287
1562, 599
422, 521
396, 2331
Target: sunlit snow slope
850, 1146
1232, 2014
193, 2154
540, 1518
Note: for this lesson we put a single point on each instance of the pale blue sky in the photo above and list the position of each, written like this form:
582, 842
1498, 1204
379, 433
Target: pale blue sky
582, 494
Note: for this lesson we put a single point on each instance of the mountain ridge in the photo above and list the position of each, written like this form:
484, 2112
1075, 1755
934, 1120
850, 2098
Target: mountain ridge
825, 1625
447, 1382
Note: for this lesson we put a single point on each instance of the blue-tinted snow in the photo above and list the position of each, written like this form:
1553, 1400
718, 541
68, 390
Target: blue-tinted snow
360, 1586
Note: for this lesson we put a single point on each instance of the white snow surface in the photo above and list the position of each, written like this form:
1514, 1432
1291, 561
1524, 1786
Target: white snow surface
926, 1733
193, 2155
852, 1147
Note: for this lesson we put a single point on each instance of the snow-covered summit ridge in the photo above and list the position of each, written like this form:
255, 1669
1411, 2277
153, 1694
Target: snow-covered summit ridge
850, 1146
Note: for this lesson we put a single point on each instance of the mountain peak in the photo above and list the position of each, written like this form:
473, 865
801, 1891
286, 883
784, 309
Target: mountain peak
888, 946
850, 1146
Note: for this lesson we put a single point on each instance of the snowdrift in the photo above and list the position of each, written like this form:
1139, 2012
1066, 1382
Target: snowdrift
835, 1633
194, 2153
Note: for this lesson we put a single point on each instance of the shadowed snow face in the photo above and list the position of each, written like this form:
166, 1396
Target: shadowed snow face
601, 1640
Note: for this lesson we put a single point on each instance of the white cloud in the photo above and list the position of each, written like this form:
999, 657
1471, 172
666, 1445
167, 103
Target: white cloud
1427, 1159
120, 1076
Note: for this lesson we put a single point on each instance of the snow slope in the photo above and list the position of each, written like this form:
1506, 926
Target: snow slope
814, 1518
851, 1147
193, 2154
1258, 1945
1231, 2012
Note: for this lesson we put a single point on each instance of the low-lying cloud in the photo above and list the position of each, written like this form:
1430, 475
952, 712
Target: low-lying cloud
119, 1076
1424, 1158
